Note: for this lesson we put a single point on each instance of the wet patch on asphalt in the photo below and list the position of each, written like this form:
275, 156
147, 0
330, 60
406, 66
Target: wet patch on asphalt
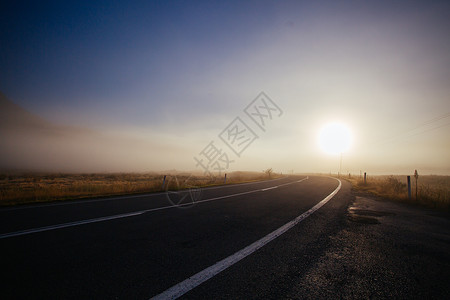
405, 255
359, 213
362, 219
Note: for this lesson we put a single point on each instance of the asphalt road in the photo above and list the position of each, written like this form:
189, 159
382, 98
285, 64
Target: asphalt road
140, 246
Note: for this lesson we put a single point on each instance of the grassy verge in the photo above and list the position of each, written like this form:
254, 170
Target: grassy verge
432, 191
45, 187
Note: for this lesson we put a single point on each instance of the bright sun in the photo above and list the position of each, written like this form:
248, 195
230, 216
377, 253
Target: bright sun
335, 138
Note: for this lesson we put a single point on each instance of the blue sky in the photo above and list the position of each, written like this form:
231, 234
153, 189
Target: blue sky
183, 70
121, 55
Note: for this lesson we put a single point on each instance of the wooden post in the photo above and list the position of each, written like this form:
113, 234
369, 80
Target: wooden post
408, 178
225, 180
164, 182
416, 175
364, 177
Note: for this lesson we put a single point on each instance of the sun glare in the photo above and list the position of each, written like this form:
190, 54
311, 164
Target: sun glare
335, 138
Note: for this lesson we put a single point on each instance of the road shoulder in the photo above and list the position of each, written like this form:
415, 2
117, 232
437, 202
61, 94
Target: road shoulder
386, 249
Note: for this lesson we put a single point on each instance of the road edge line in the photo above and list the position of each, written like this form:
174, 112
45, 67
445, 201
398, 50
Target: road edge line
192, 282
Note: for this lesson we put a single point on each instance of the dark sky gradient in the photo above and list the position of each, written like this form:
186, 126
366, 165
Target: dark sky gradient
186, 68
114, 51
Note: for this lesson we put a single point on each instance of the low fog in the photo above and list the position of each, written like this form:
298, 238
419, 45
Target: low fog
30, 143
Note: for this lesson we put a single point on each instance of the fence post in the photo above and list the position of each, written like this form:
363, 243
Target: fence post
364, 177
164, 182
408, 178
416, 175
225, 180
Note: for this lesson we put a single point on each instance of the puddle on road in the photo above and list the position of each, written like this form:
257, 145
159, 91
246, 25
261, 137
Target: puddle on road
362, 219
359, 213
372, 213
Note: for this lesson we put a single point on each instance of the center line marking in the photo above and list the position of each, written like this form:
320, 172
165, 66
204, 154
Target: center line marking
192, 282
118, 197
271, 188
126, 215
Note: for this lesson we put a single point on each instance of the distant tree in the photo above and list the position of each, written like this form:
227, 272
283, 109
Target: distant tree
268, 172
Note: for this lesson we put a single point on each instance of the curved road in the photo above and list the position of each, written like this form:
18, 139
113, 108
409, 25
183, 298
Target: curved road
138, 247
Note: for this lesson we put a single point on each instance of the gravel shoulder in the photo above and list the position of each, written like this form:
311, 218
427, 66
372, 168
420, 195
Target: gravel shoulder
385, 250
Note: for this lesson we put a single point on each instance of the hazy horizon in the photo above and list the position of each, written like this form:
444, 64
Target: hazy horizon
146, 86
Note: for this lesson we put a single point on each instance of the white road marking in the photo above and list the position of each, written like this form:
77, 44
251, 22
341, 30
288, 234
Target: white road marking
53, 227
241, 184
271, 188
277, 186
185, 286
31, 206
41, 205
126, 215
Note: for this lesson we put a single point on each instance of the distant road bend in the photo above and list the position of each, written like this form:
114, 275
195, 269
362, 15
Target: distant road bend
253, 240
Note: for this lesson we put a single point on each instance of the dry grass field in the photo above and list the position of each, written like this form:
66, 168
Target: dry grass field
432, 191
22, 188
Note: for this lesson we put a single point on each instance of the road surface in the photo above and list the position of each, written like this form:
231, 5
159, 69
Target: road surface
231, 243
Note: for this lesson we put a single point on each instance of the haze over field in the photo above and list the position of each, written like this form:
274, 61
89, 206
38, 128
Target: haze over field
146, 86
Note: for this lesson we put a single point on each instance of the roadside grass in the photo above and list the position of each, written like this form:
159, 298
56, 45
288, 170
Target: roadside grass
433, 191
27, 188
